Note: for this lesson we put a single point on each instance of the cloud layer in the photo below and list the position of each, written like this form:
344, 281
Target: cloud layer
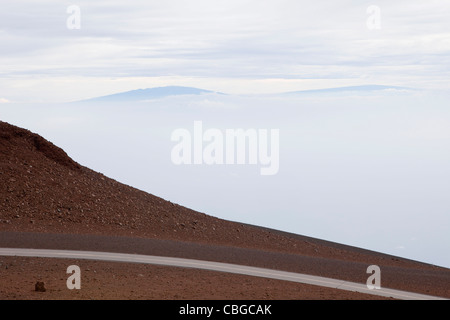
234, 40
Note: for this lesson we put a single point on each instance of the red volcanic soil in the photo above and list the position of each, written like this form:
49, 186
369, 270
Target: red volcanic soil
44, 191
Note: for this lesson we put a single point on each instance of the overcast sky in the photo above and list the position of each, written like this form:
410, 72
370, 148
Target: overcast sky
244, 46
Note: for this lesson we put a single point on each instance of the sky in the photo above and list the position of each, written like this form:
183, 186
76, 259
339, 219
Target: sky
367, 170
236, 47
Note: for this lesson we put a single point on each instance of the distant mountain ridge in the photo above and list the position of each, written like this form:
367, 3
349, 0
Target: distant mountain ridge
162, 92
150, 93
359, 89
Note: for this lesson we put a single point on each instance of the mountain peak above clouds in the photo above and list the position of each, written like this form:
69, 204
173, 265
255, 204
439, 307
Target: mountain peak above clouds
150, 93
140, 95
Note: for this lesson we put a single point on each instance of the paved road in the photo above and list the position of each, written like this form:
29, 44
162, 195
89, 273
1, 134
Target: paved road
216, 266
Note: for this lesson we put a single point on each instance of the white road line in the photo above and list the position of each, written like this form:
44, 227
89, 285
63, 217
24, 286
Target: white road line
217, 266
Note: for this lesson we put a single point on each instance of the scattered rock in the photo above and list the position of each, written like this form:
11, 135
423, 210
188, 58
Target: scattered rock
39, 287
